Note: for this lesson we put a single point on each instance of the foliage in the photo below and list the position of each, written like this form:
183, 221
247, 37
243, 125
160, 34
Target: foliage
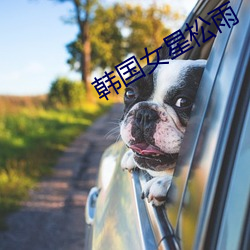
108, 44
119, 30
83, 16
107, 35
31, 138
67, 93
147, 28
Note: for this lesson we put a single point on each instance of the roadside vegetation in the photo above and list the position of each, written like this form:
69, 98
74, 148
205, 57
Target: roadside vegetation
34, 131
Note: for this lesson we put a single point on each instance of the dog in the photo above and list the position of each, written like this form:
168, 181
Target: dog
156, 113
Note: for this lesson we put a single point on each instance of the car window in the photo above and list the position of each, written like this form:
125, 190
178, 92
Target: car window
207, 31
192, 132
235, 211
200, 22
169, 216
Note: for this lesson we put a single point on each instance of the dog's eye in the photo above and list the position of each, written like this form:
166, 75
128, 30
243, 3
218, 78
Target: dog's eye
182, 102
130, 94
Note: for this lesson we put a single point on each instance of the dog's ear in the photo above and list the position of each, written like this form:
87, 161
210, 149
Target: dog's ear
198, 70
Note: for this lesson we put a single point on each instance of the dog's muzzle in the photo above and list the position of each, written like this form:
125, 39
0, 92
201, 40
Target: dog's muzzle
145, 118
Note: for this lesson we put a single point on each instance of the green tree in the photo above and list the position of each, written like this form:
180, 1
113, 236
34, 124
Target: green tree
83, 16
107, 42
108, 45
119, 30
147, 28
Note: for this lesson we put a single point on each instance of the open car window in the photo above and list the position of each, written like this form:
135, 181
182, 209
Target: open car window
180, 218
198, 52
198, 115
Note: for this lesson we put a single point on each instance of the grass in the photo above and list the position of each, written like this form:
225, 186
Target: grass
31, 139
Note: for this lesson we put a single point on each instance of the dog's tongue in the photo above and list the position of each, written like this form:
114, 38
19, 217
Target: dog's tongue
145, 149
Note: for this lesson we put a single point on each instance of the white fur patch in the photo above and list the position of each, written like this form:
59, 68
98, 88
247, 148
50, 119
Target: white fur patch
157, 188
167, 138
125, 131
169, 75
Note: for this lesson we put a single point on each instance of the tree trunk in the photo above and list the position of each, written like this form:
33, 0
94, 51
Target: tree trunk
86, 57
86, 45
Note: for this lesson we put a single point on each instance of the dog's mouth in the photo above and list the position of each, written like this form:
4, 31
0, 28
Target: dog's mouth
146, 151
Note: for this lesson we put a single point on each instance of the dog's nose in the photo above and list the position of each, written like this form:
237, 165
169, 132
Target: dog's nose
145, 117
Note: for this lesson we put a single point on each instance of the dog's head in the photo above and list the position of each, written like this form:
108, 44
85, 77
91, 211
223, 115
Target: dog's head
157, 109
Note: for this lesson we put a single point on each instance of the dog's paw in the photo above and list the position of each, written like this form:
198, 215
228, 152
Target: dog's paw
156, 189
127, 162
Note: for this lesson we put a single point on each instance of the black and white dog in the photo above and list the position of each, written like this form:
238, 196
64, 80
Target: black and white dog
157, 109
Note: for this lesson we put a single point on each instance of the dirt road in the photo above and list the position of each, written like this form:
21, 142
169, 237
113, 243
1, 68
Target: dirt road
53, 218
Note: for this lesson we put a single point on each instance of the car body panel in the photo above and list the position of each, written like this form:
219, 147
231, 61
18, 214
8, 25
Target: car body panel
117, 224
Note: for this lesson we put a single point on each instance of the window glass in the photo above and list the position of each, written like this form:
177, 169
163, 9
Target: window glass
236, 207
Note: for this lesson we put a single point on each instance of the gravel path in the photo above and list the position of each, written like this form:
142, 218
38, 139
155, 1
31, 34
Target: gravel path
53, 218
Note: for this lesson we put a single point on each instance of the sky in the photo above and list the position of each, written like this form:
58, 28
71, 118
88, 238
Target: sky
32, 43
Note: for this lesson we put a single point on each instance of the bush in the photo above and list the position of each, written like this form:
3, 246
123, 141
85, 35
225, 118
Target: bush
65, 92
